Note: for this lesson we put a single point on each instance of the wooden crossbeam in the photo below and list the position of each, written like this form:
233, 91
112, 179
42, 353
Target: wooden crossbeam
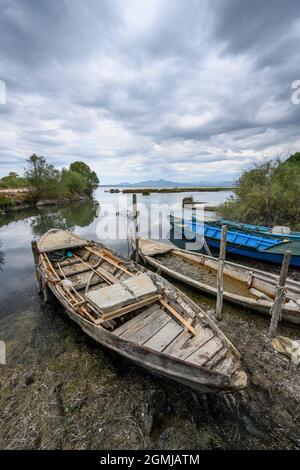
110, 259
99, 271
184, 322
63, 289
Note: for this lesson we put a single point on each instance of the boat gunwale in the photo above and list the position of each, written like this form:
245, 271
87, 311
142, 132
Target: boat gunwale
227, 377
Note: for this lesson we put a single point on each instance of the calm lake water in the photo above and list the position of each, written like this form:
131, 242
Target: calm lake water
91, 220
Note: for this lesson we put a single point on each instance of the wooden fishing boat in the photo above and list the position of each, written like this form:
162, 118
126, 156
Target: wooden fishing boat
136, 313
250, 288
262, 248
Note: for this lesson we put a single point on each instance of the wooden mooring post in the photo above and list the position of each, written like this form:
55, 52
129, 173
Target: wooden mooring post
220, 276
136, 227
35, 253
276, 309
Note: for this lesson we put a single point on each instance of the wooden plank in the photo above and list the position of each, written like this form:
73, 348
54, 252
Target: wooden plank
150, 329
178, 317
227, 365
152, 248
129, 324
142, 323
205, 352
95, 282
177, 343
218, 358
195, 343
127, 309
71, 270
164, 336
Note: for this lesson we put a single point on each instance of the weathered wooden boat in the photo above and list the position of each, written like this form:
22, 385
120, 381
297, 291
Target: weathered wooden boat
136, 313
259, 247
275, 232
252, 289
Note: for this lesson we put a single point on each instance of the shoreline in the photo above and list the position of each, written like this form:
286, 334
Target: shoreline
19, 199
172, 190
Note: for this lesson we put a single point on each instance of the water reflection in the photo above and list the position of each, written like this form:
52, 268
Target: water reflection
17, 229
1, 257
67, 217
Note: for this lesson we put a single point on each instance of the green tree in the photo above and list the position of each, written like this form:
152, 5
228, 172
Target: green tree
42, 178
73, 183
84, 170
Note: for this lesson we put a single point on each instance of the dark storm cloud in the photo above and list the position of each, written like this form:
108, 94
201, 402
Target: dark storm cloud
256, 24
149, 88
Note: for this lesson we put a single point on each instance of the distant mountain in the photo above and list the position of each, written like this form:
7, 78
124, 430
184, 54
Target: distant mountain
170, 184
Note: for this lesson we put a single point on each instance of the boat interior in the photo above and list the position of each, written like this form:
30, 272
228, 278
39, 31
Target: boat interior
238, 279
136, 306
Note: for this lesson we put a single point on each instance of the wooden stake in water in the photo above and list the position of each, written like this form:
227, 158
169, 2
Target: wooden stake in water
276, 309
136, 227
220, 277
35, 253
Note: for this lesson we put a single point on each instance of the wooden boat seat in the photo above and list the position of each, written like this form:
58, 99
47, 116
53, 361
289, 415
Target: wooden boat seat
120, 294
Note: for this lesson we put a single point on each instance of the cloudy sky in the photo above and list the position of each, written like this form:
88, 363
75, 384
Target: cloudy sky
185, 90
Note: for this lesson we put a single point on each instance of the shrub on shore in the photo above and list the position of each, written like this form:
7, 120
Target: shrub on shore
44, 181
267, 194
12, 181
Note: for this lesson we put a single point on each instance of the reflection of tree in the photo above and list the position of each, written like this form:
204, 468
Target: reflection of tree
1, 257
81, 213
16, 216
65, 217
46, 219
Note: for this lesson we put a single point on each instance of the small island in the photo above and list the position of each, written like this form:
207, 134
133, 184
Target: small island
43, 184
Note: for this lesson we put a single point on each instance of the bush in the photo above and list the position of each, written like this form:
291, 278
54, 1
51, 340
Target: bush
84, 171
72, 183
5, 202
12, 181
268, 194
42, 178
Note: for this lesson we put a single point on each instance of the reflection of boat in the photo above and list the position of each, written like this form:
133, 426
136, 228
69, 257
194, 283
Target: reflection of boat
137, 313
277, 232
238, 242
250, 288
